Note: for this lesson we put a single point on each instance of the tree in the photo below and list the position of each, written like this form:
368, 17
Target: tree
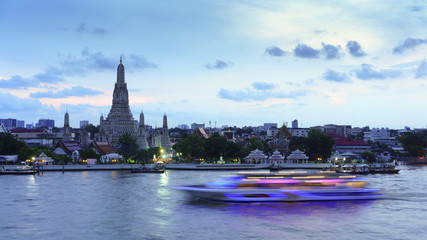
9, 145
91, 129
415, 143
30, 152
319, 144
142, 156
128, 145
88, 153
215, 146
191, 146
369, 156
316, 145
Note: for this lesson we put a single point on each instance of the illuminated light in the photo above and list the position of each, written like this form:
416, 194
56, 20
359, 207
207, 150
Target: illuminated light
308, 177
327, 171
326, 181
291, 172
347, 177
278, 181
274, 177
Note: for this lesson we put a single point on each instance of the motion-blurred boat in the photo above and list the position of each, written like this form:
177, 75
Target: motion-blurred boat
284, 187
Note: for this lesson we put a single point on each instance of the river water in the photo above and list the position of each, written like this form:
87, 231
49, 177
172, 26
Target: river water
121, 205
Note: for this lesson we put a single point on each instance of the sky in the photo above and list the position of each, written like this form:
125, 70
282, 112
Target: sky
225, 62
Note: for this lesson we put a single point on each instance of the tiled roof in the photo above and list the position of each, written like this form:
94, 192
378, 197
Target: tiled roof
70, 146
103, 147
27, 130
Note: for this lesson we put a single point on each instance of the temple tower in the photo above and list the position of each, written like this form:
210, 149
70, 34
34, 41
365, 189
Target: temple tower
66, 137
142, 136
120, 119
165, 141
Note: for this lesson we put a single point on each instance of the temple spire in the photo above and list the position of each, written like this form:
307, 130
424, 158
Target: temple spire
120, 73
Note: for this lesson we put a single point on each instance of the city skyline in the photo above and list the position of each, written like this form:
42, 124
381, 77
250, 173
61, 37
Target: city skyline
234, 63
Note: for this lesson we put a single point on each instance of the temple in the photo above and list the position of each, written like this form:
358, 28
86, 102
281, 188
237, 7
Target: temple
142, 136
120, 119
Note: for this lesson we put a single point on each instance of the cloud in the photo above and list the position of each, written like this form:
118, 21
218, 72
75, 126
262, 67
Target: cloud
18, 82
304, 51
88, 62
367, 72
77, 91
331, 51
12, 105
275, 51
421, 70
335, 76
263, 86
415, 8
309, 82
248, 95
219, 64
355, 49
409, 43
97, 30
320, 31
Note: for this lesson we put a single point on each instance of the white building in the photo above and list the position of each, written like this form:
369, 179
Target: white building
299, 132
378, 135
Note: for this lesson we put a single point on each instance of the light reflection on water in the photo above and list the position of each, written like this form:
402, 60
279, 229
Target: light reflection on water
121, 205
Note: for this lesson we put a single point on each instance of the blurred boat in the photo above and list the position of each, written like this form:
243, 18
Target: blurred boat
25, 170
283, 187
158, 167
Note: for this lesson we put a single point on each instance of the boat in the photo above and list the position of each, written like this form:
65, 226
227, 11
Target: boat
148, 170
363, 168
158, 167
25, 170
284, 187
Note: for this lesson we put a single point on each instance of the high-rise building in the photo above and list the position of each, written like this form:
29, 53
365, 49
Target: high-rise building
295, 123
197, 125
183, 126
20, 124
84, 123
8, 123
49, 123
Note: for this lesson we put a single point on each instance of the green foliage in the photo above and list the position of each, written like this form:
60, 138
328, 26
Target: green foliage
128, 146
88, 153
369, 156
142, 156
191, 146
92, 129
30, 152
154, 151
415, 143
9, 145
316, 145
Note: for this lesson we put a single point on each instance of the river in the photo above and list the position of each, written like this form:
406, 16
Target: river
121, 205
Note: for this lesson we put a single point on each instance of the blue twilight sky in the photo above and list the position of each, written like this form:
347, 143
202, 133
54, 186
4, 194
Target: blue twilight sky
236, 63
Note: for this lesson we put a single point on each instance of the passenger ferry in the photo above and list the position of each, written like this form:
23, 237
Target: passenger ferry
284, 187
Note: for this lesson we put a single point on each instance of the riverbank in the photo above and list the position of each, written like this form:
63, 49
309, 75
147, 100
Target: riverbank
171, 166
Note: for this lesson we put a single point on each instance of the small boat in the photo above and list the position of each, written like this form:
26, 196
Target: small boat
284, 187
148, 170
158, 167
26, 170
